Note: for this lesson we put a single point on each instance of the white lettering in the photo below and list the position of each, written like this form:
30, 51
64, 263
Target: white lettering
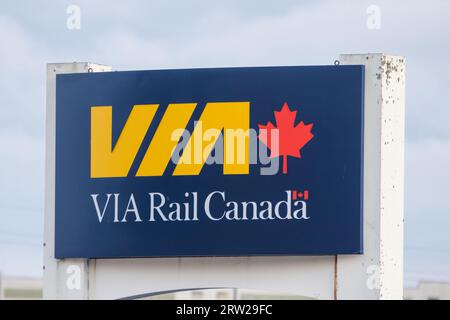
132, 209
207, 206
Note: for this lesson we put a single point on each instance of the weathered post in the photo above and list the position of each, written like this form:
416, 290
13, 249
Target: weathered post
378, 274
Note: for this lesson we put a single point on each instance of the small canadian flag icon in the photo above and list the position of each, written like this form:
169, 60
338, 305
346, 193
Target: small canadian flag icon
297, 195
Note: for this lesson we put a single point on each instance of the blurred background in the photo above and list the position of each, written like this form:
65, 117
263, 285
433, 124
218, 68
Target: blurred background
130, 35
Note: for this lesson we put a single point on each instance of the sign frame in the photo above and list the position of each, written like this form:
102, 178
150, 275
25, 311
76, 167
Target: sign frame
377, 274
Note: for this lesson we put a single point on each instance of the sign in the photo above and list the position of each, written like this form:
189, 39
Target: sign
209, 162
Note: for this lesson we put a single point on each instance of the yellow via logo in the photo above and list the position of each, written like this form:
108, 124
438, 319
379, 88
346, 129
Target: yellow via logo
108, 161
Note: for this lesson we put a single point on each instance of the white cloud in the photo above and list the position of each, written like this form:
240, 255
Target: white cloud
427, 185
21, 169
22, 84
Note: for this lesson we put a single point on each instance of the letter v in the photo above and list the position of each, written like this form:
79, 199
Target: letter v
100, 215
106, 161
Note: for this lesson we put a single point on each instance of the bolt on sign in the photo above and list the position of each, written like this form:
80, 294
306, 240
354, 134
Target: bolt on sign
209, 162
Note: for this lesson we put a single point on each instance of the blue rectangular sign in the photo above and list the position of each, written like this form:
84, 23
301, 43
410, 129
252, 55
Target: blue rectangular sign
210, 162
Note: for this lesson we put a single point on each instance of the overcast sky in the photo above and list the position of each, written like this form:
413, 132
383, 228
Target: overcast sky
179, 34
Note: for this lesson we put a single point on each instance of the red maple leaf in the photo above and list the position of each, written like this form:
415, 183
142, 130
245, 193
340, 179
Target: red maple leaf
291, 139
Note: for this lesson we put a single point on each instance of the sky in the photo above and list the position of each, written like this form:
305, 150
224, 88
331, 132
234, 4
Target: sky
132, 35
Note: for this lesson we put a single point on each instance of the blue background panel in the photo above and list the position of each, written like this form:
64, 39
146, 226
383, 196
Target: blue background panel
330, 97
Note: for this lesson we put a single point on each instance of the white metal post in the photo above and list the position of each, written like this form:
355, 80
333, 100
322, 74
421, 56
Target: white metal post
63, 279
378, 274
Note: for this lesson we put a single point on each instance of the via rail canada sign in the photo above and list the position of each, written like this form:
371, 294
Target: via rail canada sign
209, 162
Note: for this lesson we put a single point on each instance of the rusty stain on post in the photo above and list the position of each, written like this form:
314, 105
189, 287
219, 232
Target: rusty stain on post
335, 278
